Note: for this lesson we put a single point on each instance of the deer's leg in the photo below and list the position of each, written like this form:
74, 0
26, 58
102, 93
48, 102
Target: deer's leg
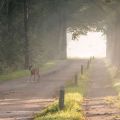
38, 76
34, 77
30, 77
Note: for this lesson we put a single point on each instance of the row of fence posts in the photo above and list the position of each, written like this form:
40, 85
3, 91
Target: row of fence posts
62, 89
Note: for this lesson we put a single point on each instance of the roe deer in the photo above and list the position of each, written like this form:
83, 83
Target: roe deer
34, 73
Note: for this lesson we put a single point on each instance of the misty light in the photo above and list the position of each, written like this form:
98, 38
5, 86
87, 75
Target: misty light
92, 44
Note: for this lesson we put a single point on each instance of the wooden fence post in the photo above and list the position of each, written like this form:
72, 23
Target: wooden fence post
88, 64
90, 59
76, 79
82, 70
61, 98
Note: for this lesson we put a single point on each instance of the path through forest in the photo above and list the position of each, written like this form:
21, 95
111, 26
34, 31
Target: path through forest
20, 99
100, 87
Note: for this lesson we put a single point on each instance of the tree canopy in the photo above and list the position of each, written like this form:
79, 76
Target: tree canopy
34, 31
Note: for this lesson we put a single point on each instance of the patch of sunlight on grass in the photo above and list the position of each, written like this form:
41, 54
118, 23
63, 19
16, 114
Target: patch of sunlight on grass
72, 110
48, 65
117, 84
116, 117
73, 100
113, 100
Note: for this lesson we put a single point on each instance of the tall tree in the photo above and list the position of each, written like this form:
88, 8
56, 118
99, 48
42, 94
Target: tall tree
26, 16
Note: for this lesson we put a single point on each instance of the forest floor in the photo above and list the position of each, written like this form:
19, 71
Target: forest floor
99, 88
21, 99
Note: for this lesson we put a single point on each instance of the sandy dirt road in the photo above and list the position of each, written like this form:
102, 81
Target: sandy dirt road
100, 87
20, 99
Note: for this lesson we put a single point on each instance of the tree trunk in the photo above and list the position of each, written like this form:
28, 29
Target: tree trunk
117, 47
62, 35
26, 8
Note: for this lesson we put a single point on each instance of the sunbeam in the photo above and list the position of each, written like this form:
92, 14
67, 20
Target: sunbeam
92, 44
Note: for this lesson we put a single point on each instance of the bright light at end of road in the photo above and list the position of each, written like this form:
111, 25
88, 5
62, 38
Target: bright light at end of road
92, 44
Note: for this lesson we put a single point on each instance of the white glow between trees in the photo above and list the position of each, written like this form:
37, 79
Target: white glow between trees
92, 44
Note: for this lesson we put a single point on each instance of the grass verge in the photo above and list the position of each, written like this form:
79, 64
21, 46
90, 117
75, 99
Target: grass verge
115, 77
73, 100
24, 73
114, 100
14, 75
114, 74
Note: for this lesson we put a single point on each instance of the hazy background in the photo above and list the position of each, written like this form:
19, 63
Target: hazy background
92, 44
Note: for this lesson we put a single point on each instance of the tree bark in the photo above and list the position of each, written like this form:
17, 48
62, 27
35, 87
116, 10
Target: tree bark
26, 15
62, 35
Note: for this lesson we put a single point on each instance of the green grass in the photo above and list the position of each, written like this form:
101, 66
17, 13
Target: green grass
114, 100
115, 77
73, 100
14, 75
48, 65
22, 73
81, 87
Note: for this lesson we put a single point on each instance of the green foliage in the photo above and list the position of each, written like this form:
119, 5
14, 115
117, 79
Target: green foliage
47, 24
73, 100
72, 109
